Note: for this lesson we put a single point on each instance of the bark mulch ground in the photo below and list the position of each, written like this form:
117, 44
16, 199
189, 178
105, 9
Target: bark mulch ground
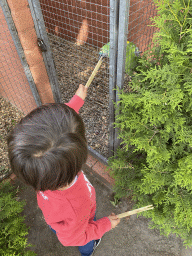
9, 116
74, 65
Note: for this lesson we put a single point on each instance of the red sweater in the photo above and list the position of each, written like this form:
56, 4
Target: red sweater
71, 212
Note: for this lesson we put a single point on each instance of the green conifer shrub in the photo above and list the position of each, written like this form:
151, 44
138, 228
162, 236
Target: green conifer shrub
154, 162
13, 229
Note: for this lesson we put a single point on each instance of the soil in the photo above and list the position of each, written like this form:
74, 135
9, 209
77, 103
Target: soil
9, 116
74, 65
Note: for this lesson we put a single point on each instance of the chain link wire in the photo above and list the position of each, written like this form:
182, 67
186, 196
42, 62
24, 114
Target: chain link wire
13, 81
77, 30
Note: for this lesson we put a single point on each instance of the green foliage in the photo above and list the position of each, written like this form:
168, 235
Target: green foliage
132, 56
13, 229
154, 162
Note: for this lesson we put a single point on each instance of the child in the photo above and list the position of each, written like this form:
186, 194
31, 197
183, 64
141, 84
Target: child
47, 149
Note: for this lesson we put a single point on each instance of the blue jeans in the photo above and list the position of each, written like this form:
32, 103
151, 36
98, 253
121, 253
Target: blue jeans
85, 250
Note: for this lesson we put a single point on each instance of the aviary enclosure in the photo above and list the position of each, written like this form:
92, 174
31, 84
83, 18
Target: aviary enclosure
74, 32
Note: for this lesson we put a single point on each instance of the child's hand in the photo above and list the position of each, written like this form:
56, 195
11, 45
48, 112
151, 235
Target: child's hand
114, 220
82, 92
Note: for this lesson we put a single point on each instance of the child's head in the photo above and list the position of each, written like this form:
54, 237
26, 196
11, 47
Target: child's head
47, 148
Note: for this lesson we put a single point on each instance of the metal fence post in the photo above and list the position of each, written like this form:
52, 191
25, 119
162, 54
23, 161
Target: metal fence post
122, 43
14, 34
47, 55
114, 24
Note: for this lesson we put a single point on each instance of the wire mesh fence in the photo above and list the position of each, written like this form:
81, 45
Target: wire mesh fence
135, 37
139, 28
11, 72
76, 31
13, 81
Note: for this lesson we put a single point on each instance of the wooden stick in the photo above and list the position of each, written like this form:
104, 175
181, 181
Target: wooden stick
94, 72
125, 214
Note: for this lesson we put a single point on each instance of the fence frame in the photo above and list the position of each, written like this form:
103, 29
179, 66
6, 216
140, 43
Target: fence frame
47, 55
122, 41
7, 13
114, 29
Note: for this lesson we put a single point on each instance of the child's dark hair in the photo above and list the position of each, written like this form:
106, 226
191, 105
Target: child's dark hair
47, 148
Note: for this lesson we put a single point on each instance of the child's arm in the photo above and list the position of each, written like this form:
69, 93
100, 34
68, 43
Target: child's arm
114, 220
80, 234
96, 229
78, 99
82, 92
